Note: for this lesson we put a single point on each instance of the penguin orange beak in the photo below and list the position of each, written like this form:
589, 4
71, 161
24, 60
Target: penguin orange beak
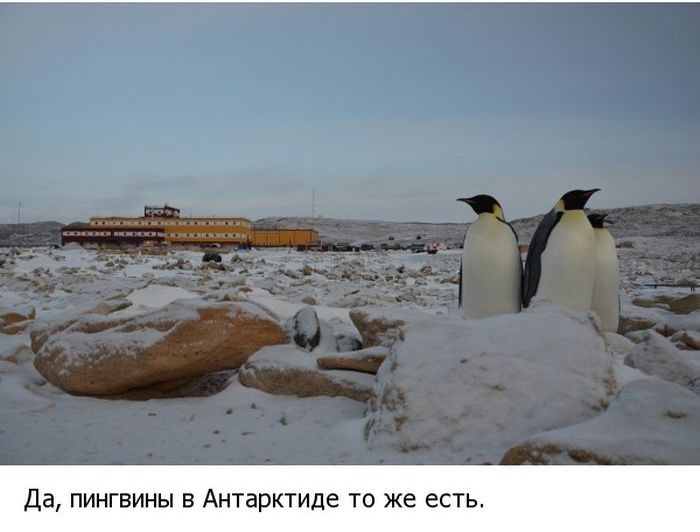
470, 201
589, 193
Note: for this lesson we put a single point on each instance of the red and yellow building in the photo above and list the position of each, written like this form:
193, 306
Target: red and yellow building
164, 225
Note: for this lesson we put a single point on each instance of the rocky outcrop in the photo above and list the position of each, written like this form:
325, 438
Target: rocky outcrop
657, 356
470, 385
94, 355
289, 370
649, 422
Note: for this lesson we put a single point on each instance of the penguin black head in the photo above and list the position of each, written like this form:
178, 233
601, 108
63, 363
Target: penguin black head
575, 199
598, 219
484, 203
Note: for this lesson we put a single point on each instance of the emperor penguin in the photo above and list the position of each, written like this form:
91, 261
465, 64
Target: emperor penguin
606, 297
491, 270
561, 264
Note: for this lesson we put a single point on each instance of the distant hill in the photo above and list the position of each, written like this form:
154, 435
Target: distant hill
649, 220
29, 235
676, 220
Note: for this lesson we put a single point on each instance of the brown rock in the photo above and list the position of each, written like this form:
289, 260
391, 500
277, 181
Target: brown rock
112, 305
377, 330
289, 370
685, 305
532, 454
367, 360
15, 328
660, 301
308, 300
17, 314
186, 339
657, 356
691, 339
18, 355
630, 324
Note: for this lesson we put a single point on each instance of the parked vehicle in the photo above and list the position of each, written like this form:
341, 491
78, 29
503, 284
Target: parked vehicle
211, 256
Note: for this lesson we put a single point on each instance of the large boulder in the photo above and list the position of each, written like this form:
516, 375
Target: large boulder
650, 422
685, 305
480, 386
289, 370
657, 356
94, 355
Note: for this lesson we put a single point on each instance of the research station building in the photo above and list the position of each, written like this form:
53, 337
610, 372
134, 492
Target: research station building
164, 225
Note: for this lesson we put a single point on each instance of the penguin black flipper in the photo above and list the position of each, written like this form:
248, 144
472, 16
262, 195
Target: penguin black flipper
533, 263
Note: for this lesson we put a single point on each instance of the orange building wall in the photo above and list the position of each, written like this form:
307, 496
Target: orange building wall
283, 237
189, 230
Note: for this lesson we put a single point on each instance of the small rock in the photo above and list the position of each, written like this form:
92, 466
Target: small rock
367, 360
377, 330
113, 305
657, 356
691, 339
660, 301
288, 370
347, 343
304, 329
630, 324
15, 314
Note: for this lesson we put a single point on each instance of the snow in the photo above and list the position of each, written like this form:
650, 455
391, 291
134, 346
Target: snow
630, 431
41, 424
467, 386
154, 297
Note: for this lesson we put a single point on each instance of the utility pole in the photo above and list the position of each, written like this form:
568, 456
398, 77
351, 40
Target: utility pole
313, 203
19, 213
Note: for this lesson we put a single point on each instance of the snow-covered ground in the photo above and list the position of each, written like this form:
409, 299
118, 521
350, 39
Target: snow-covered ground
41, 424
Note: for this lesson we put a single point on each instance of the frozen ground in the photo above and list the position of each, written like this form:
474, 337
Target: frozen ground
40, 424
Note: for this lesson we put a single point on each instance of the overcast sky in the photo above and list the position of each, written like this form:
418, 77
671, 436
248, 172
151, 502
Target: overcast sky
389, 112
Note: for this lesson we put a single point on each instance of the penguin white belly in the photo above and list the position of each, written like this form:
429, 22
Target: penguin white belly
605, 301
491, 270
568, 263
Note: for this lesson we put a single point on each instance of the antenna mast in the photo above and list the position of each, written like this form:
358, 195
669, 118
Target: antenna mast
313, 203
